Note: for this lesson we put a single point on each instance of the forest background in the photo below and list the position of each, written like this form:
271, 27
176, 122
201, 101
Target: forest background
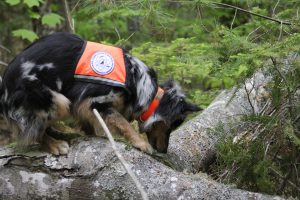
207, 46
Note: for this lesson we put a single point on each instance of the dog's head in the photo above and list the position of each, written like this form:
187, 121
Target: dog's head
171, 112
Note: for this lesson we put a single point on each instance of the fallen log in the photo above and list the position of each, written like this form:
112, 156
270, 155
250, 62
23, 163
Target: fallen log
192, 146
91, 170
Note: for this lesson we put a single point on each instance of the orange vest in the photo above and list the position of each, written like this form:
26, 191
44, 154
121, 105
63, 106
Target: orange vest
101, 63
105, 64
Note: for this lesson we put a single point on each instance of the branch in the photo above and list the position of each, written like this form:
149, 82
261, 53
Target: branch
248, 97
3, 63
6, 49
74, 8
252, 13
233, 19
273, 13
289, 93
69, 18
285, 179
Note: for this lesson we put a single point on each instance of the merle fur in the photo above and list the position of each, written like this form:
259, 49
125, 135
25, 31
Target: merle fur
48, 66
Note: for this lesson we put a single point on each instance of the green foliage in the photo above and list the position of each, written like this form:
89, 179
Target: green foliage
13, 2
31, 3
34, 16
290, 132
246, 165
25, 34
52, 19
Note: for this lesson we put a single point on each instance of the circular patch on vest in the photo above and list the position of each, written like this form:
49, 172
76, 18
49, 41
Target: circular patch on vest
102, 63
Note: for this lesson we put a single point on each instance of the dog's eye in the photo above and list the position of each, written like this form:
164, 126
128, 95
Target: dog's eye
181, 99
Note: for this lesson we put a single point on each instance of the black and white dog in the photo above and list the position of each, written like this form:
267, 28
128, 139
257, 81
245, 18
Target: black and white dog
39, 87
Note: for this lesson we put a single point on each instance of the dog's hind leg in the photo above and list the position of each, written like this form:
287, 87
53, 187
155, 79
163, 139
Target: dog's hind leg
59, 110
30, 124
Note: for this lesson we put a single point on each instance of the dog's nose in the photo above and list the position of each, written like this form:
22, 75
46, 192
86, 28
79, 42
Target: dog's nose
162, 150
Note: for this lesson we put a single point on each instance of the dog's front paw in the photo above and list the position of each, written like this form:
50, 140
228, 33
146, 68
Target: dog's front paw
144, 146
60, 147
57, 147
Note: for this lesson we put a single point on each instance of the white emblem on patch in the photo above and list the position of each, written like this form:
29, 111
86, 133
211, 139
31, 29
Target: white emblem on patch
102, 63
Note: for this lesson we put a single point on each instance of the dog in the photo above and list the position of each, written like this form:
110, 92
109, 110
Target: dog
62, 75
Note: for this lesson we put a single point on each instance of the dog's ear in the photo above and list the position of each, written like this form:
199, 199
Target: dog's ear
189, 107
168, 84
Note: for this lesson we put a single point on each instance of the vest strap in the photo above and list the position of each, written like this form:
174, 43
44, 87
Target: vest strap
103, 80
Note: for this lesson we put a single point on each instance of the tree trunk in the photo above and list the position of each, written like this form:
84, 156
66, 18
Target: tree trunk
192, 146
91, 170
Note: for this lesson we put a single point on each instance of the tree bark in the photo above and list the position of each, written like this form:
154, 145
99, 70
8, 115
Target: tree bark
192, 146
91, 170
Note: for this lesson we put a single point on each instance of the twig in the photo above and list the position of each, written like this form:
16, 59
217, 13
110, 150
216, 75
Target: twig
280, 33
284, 179
248, 98
297, 175
269, 143
233, 19
222, 175
69, 18
3, 63
118, 33
6, 49
199, 13
124, 163
260, 36
290, 101
77, 3
252, 32
273, 12
252, 13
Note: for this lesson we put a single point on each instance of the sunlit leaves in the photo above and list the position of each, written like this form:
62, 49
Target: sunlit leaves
13, 2
31, 3
52, 19
34, 15
25, 34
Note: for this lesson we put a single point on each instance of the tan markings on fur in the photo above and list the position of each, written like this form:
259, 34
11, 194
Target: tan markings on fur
116, 120
158, 136
15, 130
56, 147
118, 103
83, 113
62, 105
42, 114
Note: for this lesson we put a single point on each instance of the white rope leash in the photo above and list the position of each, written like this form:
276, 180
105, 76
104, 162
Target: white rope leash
124, 163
